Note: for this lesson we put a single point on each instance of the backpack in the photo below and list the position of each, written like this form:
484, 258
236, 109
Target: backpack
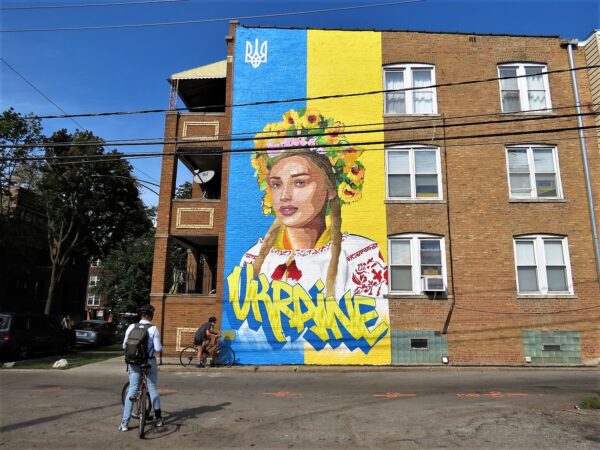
136, 347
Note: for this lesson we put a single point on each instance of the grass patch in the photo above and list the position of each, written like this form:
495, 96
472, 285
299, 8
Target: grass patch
75, 359
590, 403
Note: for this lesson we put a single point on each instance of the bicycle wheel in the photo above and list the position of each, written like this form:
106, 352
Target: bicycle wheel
143, 414
187, 356
135, 406
225, 356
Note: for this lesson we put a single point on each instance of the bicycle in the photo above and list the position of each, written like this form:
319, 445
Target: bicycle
142, 404
222, 355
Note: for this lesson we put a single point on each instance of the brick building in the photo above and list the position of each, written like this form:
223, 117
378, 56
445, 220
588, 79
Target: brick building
464, 228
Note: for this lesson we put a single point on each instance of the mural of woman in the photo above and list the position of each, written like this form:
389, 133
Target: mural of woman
308, 171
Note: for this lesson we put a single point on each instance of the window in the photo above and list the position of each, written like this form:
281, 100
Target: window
96, 262
94, 280
413, 257
93, 300
418, 79
533, 172
413, 173
543, 265
531, 92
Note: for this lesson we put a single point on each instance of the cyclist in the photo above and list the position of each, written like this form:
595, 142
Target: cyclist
204, 338
154, 347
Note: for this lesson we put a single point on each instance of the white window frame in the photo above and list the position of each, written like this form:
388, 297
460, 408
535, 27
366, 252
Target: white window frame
408, 69
540, 261
93, 300
415, 255
93, 280
522, 86
96, 262
531, 166
411, 149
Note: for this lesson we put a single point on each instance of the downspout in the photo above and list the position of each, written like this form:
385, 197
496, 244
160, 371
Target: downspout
586, 168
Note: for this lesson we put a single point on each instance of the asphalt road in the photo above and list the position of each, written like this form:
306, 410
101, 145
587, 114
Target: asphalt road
284, 408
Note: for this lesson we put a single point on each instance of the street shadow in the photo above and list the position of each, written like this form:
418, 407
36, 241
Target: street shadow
175, 420
33, 422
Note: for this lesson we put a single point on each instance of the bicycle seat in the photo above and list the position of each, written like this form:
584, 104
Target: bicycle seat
145, 366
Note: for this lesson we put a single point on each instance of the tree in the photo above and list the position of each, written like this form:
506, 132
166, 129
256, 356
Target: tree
16, 129
126, 274
184, 190
92, 202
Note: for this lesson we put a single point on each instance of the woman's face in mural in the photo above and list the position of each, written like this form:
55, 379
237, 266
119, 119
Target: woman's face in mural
298, 191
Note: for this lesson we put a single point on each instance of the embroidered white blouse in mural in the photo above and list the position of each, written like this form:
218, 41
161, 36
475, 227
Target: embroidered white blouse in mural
361, 269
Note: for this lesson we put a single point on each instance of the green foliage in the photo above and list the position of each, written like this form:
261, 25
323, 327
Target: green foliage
184, 190
92, 203
16, 129
590, 403
126, 275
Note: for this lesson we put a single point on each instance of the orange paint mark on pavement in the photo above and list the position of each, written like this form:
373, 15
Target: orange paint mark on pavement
166, 390
49, 389
493, 394
394, 395
283, 394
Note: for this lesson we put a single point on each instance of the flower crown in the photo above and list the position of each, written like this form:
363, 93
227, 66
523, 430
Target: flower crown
309, 128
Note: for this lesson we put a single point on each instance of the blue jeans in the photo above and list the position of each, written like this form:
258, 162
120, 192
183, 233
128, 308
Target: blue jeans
134, 378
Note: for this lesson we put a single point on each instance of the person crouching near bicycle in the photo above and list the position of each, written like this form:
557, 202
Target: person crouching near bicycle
153, 346
206, 338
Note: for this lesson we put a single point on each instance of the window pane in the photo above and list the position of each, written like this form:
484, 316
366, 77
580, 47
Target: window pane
426, 185
395, 101
510, 84
423, 102
554, 253
398, 162
517, 161
431, 270
537, 100
520, 185
525, 253
430, 252
527, 279
557, 279
546, 185
400, 250
534, 78
401, 278
425, 162
543, 160
399, 185
511, 101
421, 78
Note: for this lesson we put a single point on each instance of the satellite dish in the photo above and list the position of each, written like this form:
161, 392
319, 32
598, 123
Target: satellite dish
203, 177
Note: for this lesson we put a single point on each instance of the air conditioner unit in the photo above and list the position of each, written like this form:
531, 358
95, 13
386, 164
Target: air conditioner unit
433, 284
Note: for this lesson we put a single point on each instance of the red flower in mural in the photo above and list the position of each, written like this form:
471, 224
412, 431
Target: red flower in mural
370, 277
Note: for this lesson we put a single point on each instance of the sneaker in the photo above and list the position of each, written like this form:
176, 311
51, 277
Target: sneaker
160, 423
200, 366
124, 427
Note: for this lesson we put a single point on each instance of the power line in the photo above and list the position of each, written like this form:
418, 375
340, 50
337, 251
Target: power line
41, 93
87, 5
322, 97
147, 155
190, 22
266, 135
389, 142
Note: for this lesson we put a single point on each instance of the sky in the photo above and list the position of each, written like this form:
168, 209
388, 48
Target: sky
126, 69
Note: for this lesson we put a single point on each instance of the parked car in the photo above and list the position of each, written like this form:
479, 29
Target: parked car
24, 334
95, 332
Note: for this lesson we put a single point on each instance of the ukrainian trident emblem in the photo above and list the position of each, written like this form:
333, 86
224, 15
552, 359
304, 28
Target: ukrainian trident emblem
254, 55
